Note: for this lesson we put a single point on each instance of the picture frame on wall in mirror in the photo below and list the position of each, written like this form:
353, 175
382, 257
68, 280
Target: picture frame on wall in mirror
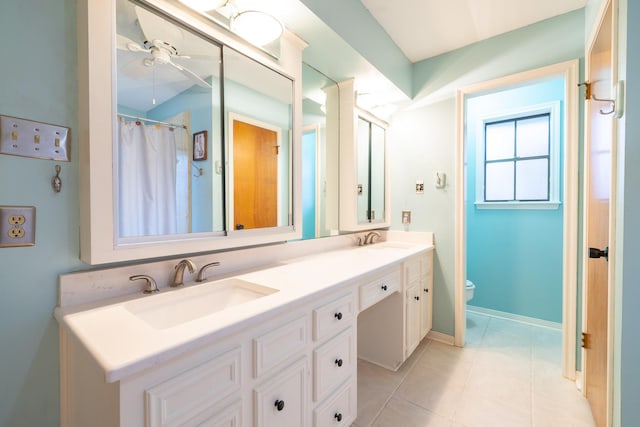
200, 145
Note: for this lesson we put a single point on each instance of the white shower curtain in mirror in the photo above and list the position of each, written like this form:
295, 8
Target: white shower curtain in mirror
148, 158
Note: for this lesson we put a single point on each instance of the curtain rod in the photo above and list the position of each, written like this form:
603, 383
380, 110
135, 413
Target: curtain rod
152, 121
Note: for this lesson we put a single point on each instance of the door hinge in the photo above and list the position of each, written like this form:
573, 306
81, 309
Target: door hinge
586, 340
587, 90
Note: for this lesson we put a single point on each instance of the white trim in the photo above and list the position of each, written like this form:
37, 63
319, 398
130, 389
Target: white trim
554, 111
440, 337
569, 70
518, 205
515, 317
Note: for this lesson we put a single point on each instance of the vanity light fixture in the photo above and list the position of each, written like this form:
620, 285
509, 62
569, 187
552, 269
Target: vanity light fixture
203, 5
256, 27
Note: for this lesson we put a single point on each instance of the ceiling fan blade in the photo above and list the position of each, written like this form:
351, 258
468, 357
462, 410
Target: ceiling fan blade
193, 76
125, 43
155, 28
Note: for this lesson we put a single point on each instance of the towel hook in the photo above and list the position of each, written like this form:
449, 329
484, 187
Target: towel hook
611, 101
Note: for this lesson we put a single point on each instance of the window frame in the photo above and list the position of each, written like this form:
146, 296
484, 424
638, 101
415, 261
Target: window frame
553, 110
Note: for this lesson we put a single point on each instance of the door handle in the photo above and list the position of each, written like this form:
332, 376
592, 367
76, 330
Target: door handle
597, 253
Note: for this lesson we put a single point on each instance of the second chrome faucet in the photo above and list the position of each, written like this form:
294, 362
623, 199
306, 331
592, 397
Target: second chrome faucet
178, 277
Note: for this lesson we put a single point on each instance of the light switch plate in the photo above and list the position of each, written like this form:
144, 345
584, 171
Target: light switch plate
17, 226
26, 138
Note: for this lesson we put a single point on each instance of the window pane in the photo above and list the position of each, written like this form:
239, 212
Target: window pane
499, 140
499, 181
532, 137
532, 179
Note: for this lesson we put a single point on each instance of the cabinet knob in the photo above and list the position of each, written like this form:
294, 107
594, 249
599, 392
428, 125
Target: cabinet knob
417, 298
338, 316
279, 405
426, 290
338, 362
384, 287
338, 416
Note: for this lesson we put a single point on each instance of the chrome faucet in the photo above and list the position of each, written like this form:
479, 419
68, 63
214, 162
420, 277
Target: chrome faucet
202, 273
178, 278
370, 236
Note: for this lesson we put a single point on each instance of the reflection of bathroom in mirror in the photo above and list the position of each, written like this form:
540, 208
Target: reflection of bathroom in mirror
258, 110
168, 89
320, 154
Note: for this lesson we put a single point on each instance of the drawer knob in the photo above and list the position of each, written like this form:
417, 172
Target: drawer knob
339, 363
384, 287
417, 298
279, 405
426, 290
338, 316
338, 416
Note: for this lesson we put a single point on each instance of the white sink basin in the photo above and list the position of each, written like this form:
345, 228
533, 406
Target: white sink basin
173, 308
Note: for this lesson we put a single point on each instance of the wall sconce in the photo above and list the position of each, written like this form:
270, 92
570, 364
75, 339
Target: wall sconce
256, 27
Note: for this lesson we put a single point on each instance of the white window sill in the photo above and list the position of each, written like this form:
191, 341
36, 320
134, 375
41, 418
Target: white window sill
518, 205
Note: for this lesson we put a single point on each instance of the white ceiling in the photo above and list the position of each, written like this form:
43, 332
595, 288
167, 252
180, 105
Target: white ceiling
426, 28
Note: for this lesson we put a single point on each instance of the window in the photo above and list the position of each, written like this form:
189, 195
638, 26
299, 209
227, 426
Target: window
518, 160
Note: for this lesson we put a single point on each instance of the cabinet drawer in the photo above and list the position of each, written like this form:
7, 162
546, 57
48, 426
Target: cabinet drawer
174, 401
332, 317
340, 409
333, 363
226, 416
280, 402
277, 346
379, 288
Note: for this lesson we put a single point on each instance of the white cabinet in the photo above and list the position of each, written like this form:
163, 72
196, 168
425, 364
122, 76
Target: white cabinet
418, 299
426, 293
333, 363
340, 409
281, 401
379, 287
175, 401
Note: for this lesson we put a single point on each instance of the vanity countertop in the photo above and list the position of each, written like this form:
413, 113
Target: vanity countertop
123, 344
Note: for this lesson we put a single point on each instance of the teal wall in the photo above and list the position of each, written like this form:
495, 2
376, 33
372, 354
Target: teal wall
422, 136
514, 256
38, 81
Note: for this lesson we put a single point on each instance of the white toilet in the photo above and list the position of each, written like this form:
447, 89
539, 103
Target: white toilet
468, 290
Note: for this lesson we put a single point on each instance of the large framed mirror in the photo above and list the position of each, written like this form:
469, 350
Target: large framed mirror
161, 89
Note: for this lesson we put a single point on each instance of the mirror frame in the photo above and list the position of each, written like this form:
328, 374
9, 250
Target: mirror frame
349, 114
96, 23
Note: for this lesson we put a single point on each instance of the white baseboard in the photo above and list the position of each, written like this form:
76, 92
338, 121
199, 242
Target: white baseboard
514, 317
440, 337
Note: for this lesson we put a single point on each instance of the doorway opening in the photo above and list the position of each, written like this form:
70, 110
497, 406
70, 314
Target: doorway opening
567, 72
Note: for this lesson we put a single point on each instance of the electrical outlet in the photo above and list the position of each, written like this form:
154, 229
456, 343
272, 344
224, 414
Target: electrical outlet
406, 217
17, 226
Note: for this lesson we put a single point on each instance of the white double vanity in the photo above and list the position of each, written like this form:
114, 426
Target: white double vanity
278, 346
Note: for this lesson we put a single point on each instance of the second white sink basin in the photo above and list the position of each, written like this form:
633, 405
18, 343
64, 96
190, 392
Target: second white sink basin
173, 308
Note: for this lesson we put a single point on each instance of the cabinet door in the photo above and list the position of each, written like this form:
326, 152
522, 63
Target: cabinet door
413, 318
282, 400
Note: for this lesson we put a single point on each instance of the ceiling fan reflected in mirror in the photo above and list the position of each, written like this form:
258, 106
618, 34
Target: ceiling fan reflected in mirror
160, 52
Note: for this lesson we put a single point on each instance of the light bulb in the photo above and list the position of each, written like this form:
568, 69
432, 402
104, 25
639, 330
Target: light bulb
203, 5
258, 28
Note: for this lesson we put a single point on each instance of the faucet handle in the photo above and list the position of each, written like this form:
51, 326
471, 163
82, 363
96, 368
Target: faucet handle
150, 286
202, 273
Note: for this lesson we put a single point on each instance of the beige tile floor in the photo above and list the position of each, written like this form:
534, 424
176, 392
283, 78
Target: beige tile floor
508, 374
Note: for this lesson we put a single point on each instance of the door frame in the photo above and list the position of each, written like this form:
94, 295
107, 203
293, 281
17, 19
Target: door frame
569, 70
589, 46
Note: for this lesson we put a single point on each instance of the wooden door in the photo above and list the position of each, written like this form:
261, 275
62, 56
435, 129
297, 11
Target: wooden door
255, 176
598, 217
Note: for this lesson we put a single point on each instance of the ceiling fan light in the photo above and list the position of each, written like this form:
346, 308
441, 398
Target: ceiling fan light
203, 5
258, 28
